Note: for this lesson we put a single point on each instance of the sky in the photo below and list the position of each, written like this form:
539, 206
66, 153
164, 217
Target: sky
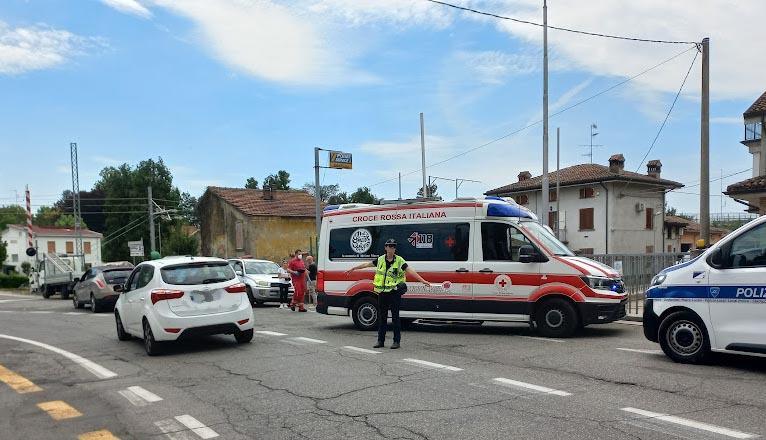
227, 89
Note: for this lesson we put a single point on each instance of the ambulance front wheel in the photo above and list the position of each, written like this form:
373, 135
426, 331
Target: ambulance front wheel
684, 338
365, 313
556, 318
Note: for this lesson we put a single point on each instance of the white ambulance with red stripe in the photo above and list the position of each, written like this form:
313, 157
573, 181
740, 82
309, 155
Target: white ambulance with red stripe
488, 259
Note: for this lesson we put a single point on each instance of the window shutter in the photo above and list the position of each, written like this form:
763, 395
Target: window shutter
649, 218
69, 247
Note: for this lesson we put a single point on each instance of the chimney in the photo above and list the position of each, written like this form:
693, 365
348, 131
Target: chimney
268, 193
654, 168
524, 175
617, 163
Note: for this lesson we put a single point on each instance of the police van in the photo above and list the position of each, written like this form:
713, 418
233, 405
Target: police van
487, 259
715, 302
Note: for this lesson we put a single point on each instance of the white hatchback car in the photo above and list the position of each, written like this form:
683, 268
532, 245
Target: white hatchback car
181, 297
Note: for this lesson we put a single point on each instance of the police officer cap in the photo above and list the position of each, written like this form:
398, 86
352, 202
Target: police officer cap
390, 242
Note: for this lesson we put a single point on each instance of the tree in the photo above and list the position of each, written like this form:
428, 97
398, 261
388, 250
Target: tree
179, 242
251, 183
281, 180
3, 252
92, 204
338, 199
26, 268
326, 191
46, 216
12, 215
364, 195
189, 209
432, 191
67, 221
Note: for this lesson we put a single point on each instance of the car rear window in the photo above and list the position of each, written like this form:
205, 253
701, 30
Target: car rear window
197, 273
117, 276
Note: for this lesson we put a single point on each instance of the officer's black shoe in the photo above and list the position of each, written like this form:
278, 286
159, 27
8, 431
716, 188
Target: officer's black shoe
394, 346
378, 345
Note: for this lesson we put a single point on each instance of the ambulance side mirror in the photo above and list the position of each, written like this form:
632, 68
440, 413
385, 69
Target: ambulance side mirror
528, 254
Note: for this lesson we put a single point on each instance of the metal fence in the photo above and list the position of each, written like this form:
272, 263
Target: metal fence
637, 271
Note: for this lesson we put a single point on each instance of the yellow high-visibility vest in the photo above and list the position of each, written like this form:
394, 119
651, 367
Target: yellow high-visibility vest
387, 280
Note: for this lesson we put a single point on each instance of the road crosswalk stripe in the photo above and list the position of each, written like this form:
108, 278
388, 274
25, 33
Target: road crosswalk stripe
360, 350
144, 394
19, 383
59, 410
270, 333
196, 426
640, 350
529, 386
98, 435
537, 338
303, 339
173, 430
689, 423
432, 364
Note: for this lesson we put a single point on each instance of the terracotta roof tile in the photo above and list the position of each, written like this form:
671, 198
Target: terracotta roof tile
290, 203
59, 232
583, 173
757, 108
676, 220
751, 185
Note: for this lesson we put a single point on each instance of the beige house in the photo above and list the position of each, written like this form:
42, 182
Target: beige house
265, 224
752, 192
681, 234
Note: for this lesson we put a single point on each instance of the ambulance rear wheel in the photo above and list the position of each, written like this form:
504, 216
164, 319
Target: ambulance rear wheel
365, 313
684, 338
556, 318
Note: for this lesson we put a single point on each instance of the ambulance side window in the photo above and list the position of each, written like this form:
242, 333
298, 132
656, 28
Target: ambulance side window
747, 250
501, 241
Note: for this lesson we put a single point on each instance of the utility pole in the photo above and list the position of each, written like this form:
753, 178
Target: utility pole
558, 178
705, 144
400, 185
317, 194
545, 208
423, 153
152, 244
76, 204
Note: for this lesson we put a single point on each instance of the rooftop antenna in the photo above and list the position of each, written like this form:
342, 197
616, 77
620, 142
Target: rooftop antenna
590, 145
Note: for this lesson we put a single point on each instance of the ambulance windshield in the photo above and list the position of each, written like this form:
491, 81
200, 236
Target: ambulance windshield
548, 239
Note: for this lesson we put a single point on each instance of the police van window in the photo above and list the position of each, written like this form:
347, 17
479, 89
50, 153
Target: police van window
501, 241
415, 242
749, 249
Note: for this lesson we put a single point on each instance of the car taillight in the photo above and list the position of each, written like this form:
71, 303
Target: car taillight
320, 281
100, 284
236, 288
163, 294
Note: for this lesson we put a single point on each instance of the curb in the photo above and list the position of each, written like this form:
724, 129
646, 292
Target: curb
634, 318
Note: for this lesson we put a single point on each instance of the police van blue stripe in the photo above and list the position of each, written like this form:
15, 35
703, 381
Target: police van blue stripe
738, 292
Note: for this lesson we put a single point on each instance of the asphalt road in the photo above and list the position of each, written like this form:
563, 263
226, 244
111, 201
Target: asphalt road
313, 376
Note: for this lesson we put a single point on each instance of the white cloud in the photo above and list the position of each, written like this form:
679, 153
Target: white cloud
734, 120
38, 47
366, 12
106, 161
494, 67
132, 7
436, 146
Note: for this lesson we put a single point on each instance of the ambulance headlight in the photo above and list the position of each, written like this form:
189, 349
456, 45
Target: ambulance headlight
658, 279
602, 283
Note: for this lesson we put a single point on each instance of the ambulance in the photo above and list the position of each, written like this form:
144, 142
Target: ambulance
715, 302
487, 259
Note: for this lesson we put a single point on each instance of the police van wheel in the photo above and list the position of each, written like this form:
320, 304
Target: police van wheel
684, 338
556, 318
365, 314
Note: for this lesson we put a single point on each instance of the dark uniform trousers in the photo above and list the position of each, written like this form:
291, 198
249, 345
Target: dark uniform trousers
390, 301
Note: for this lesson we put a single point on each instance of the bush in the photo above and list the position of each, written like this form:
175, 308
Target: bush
12, 281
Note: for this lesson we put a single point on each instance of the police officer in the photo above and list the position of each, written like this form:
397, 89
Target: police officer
390, 285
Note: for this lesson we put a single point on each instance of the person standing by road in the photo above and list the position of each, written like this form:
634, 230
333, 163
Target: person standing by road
312, 280
390, 284
298, 274
284, 284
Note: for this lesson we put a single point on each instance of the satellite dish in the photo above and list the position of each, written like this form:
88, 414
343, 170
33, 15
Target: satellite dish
31, 252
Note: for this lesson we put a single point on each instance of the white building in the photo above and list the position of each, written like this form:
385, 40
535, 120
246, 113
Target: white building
603, 209
60, 241
752, 192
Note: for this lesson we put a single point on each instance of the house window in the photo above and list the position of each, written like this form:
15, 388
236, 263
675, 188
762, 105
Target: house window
587, 193
14, 258
586, 219
522, 199
753, 131
669, 248
670, 232
649, 218
552, 218
69, 247
51, 247
650, 249
586, 251
552, 195
86, 247
239, 236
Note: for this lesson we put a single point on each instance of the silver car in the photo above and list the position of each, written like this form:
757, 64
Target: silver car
261, 278
96, 287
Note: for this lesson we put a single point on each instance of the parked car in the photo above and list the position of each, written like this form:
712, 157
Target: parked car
181, 297
96, 287
261, 278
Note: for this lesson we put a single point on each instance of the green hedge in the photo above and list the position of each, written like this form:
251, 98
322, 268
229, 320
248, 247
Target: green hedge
12, 281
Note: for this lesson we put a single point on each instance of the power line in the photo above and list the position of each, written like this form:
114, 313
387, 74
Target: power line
565, 109
575, 31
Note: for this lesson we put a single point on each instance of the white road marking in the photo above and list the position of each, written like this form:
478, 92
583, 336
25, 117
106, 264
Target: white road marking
74, 313
269, 333
196, 426
640, 350
16, 295
40, 311
96, 369
15, 300
360, 350
144, 394
315, 341
690, 423
133, 398
530, 386
173, 430
537, 338
432, 364
101, 315
629, 322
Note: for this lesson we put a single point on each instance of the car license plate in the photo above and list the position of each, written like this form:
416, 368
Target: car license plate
201, 296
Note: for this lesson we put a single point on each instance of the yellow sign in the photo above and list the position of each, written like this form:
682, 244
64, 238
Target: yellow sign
339, 159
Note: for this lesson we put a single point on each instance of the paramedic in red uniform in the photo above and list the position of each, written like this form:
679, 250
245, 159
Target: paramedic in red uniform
389, 283
297, 271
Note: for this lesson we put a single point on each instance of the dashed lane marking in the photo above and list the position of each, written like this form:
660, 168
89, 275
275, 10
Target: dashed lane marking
313, 341
270, 333
532, 387
59, 410
360, 350
640, 350
173, 430
19, 383
2, 301
98, 435
629, 322
40, 311
196, 426
538, 338
689, 423
96, 369
432, 364
138, 396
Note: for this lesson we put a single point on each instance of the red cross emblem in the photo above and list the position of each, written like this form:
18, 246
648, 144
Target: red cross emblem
449, 241
502, 283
